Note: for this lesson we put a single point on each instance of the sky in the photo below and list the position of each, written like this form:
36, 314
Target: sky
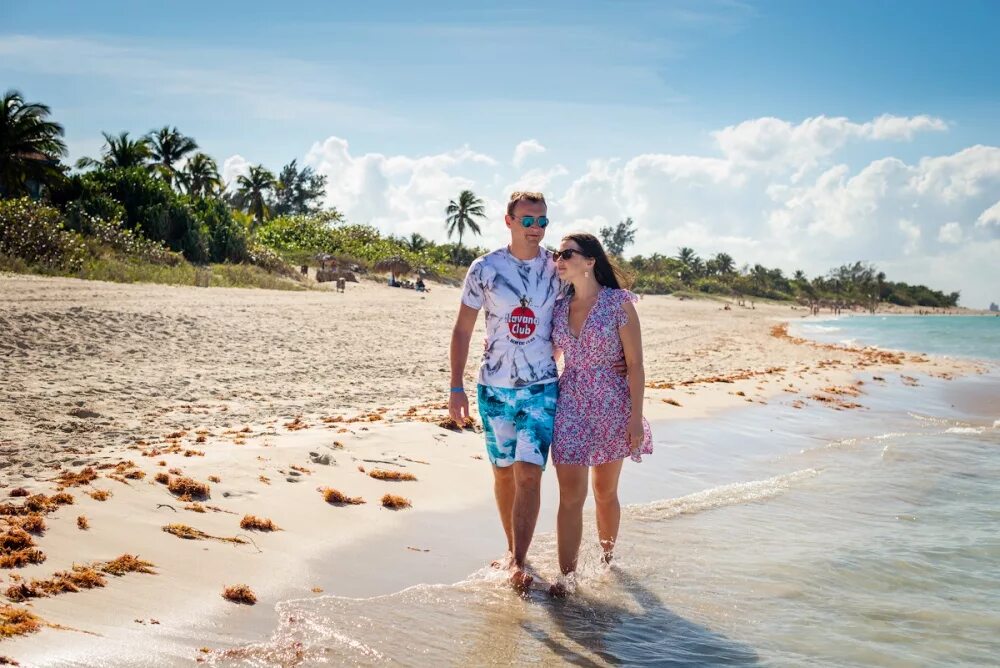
800, 135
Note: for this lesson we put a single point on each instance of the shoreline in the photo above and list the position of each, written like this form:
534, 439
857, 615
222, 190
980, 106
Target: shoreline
453, 481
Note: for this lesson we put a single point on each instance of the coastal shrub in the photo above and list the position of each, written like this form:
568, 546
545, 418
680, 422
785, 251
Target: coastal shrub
113, 234
267, 259
227, 235
656, 284
301, 237
33, 232
144, 203
712, 286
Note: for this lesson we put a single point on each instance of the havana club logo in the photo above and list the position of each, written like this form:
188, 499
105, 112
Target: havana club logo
521, 321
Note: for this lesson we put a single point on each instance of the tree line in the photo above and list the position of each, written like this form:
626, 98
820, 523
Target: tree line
160, 198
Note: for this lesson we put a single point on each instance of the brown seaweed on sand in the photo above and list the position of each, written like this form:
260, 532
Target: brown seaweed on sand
82, 477
62, 499
127, 563
394, 502
19, 491
190, 533
15, 538
82, 522
62, 582
100, 494
338, 498
32, 523
382, 474
17, 622
254, 523
187, 487
240, 593
21, 558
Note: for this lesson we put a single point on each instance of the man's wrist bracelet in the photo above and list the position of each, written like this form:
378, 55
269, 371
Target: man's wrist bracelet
458, 389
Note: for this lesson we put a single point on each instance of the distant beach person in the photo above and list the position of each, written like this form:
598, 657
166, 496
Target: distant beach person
517, 286
599, 418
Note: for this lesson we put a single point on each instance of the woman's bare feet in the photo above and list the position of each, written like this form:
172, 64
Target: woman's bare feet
520, 580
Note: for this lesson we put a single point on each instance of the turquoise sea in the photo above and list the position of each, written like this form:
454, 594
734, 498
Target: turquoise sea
957, 335
762, 536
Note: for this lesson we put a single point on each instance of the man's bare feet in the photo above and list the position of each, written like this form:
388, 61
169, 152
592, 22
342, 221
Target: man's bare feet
558, 590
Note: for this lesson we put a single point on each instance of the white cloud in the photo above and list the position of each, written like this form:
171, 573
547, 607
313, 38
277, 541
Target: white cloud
779, 145
901, 127
400, 194
536, 180
234, 166
526, 148
950, 233
989, 217
912, 234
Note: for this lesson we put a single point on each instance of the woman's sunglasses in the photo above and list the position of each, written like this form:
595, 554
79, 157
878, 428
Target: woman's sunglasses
528, 221
567, 254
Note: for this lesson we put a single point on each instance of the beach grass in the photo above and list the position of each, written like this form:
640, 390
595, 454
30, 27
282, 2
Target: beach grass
118, 269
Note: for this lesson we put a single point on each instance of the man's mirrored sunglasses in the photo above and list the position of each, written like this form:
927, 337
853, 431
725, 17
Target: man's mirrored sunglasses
528, 221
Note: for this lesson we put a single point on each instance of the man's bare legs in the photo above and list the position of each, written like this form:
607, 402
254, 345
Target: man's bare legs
609, 510
503, 490
569, 522
524, 516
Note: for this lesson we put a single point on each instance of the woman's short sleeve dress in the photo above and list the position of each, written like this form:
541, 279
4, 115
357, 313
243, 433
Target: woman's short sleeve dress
594, 403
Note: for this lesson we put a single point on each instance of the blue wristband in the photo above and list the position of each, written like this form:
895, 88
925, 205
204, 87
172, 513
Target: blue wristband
458, 389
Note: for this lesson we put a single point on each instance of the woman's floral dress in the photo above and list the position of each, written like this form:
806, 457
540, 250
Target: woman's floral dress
594, 403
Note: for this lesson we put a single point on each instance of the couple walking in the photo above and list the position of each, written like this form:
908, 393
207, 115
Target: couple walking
541, 304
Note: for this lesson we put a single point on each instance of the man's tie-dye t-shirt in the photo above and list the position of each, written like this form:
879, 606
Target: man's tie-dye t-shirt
518, 297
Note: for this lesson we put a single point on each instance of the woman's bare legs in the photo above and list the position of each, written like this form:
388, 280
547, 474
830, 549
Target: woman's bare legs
569, 523
609, 511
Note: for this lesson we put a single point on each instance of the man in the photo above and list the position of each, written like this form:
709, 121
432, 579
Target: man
517, 286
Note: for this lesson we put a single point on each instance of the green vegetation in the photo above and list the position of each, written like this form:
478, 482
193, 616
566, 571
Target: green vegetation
858, 284
463, 214
155, 209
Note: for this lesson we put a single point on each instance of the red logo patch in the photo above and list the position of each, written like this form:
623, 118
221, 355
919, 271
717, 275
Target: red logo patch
521, 321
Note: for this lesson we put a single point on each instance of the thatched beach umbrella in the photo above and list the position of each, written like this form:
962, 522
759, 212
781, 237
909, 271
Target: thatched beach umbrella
394, 265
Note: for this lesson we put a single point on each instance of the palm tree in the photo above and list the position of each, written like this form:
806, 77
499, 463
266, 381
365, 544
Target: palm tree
759, 276
686, 256
724, 264
167, 147
416, 243
462, 215
30, 144
200, 176
119, 152
253, 191
692, 264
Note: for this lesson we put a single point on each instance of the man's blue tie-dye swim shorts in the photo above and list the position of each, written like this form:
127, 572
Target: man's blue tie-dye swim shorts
518, 422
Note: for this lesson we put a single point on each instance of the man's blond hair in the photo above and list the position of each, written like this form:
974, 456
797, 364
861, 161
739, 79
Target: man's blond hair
523, 196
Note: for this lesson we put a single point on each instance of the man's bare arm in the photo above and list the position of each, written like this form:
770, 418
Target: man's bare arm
461, 335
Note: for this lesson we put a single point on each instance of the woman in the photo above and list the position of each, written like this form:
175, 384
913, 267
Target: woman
599, 413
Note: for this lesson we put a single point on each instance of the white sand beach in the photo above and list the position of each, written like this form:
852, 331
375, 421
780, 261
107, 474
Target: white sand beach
271, 397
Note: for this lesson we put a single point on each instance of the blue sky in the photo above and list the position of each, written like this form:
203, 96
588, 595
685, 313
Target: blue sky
422, 98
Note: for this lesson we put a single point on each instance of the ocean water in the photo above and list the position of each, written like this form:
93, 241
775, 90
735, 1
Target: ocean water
766, 536
960, 336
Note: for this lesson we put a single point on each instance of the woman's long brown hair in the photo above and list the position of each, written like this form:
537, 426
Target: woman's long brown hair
606, 271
